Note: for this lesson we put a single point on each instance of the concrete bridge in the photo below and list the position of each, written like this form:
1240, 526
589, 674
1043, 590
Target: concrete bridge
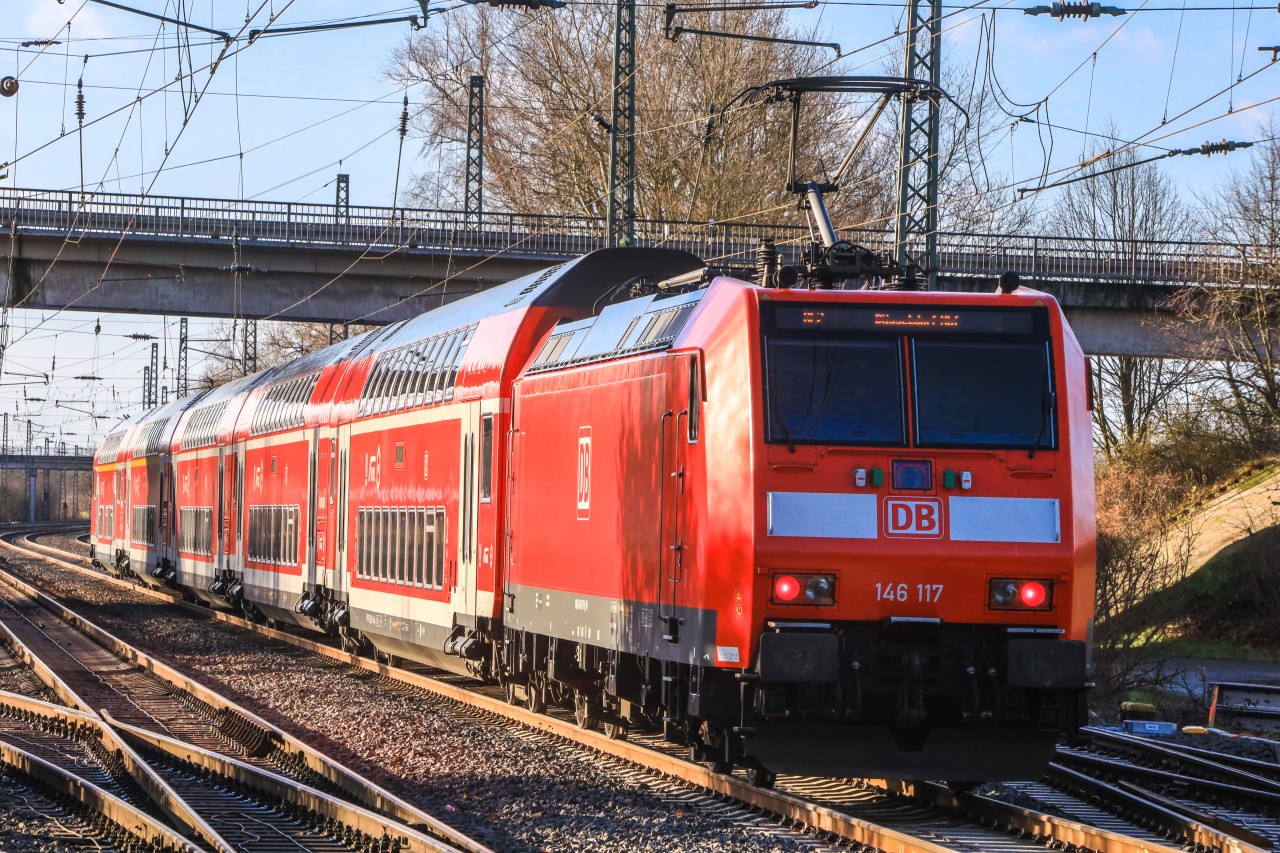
45, 486
324, 263
44, 462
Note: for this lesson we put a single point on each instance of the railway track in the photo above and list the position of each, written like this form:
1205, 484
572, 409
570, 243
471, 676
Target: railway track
880, 815
148, 736
1236, 795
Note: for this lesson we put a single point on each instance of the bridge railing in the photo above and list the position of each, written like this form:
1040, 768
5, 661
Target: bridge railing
556, 236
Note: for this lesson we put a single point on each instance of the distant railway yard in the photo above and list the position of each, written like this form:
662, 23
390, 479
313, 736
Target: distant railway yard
130, 722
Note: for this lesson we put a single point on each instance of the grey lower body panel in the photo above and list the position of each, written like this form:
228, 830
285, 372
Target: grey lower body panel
633, 627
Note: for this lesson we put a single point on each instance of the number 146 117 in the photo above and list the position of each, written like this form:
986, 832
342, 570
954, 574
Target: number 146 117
922, 593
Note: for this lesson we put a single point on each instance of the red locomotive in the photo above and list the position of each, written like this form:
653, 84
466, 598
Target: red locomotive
802, 530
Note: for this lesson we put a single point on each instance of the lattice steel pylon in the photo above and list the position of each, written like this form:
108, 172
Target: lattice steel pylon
342, 199
250, 346
150, 377
918, 155
473, 203
180, 383
622, 154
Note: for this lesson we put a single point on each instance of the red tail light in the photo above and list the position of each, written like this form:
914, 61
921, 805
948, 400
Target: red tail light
1020, 594
812, 589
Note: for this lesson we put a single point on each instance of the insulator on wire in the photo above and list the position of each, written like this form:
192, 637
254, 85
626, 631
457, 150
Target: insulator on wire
80, 100
766, 262
9, 86
1222, 147
404, 118
1082, 9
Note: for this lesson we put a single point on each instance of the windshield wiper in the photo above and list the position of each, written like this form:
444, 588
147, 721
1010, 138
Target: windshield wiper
1046, 408
782, 427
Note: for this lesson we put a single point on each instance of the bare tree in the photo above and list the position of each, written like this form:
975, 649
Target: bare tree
1120, 205
1143, 548
549, 82
278, 343
1238, 306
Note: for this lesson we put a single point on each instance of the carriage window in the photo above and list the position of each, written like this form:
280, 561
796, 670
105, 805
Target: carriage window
486, 459
362, 543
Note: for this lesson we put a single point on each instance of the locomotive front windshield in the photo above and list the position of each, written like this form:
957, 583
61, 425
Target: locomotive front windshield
902, 376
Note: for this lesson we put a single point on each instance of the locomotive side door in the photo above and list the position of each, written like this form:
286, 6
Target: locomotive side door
464, 591
680, 426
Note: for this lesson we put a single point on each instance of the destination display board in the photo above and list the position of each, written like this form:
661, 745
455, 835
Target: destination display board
892, 318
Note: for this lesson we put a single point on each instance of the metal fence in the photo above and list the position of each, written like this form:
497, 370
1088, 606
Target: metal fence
556, 237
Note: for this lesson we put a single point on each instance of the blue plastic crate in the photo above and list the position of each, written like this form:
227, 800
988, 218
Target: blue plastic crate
1149, 727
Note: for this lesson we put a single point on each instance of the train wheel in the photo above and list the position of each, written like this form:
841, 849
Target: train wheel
509, 690
760, 777
583, 712
615, 731
536, 699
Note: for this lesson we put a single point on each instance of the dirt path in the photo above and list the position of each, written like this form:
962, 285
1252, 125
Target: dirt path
1233, 516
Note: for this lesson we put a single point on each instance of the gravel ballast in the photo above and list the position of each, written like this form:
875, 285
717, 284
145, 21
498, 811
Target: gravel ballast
506, 786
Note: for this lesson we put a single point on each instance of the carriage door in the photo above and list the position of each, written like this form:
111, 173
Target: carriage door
464, 583
222, 523
122, 505
338, 579
237, 511
680, 426
313, 522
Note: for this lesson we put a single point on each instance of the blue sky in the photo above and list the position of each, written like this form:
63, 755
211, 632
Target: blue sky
297, 105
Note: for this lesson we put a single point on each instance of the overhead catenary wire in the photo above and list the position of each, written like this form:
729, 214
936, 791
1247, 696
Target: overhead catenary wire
227, 50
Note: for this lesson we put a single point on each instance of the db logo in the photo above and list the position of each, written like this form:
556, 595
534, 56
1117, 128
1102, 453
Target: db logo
913, 517
584, 472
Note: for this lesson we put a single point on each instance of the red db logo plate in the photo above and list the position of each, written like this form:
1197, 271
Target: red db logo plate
913, 517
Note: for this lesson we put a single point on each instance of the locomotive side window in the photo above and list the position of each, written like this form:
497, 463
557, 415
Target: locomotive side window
834, 390
695, 401
984, 394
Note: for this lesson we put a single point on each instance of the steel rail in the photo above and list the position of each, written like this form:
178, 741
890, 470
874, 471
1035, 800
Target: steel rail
1249, 765
279, 787
1198, 788
1027, 821
787, 807
155, 787
1156, 815
1207, 768
1236, 830
376, 798
129, 818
